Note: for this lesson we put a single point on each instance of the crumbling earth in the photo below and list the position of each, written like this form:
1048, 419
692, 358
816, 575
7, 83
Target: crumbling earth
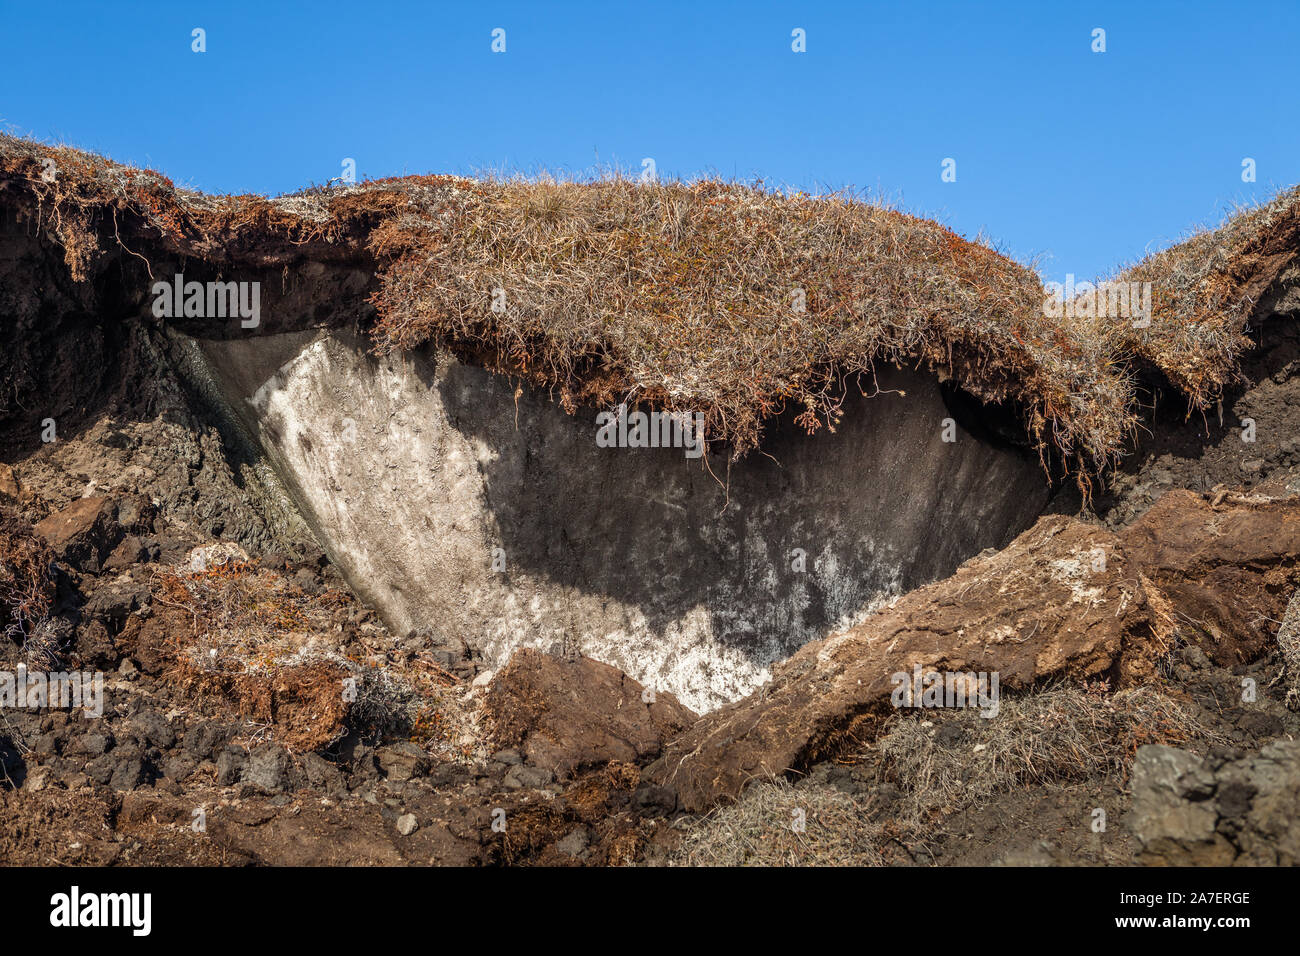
256, 711
576, 763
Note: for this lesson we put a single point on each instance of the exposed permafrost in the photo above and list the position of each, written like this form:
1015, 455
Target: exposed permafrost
452, 503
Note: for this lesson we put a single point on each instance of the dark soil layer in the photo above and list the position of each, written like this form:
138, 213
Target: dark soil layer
1208, 452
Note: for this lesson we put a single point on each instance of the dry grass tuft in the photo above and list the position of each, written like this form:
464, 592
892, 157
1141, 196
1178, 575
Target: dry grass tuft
946, 761
1203, 291
758, 830
940, 763
684, 296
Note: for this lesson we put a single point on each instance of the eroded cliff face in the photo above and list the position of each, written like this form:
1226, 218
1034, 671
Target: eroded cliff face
464, 508
454, 503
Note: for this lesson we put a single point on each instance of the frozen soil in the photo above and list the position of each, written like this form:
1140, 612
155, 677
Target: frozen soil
227, 642
398, 782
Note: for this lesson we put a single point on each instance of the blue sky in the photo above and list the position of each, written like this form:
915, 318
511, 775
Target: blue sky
1080, 160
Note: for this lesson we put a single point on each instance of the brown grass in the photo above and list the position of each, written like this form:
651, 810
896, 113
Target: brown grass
759, 830
1203, 291
1062, 733
1055, 735
682, 295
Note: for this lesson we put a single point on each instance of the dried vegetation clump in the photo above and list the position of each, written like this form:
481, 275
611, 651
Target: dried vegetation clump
278, 654
729, 300
1204, 290
92, 206
777, 824
26, 577
1063, 733
939, 763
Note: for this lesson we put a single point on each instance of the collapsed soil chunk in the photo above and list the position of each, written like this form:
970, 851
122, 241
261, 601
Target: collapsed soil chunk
563, 714
1066, 599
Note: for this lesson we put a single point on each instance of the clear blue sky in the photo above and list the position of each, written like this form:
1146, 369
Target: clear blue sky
1083, 159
